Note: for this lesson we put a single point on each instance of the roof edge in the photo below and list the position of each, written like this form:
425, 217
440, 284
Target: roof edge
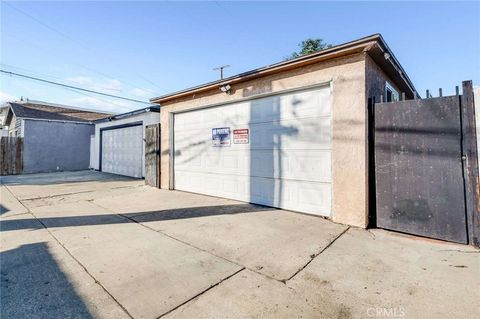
364, 44
395, 61
65, 106
153, 108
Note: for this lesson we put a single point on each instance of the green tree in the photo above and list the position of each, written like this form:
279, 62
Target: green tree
309, 46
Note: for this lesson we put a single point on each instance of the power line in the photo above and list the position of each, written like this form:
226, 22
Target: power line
54, 53
49, 77
34, 73
73, 87
97, 98
66, 36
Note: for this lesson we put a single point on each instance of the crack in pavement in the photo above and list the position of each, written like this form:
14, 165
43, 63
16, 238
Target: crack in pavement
84, 268
67, 194
242, 267
72, 256
283, 281
318, 254
133, 221
201, 293
183, 242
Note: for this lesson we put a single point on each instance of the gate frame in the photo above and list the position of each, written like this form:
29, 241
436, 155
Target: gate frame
372, 186
11, 158
470, 164
158, 172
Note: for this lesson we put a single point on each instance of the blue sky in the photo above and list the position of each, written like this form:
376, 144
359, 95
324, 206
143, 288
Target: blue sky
144, 49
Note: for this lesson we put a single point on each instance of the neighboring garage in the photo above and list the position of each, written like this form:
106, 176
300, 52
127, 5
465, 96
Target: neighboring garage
293, 135
118, 143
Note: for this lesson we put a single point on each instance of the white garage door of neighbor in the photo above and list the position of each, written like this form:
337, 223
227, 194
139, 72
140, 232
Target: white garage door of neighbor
274, 151
122, 151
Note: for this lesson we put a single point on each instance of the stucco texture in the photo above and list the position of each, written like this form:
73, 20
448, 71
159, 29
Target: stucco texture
347, 78
56, 146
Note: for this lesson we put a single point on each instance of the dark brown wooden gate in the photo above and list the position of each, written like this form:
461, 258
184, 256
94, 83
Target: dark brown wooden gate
11, 155
152, 155
425, 167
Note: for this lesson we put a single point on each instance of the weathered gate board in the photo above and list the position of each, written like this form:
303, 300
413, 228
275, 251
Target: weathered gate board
152, 155
419, 170
11, 155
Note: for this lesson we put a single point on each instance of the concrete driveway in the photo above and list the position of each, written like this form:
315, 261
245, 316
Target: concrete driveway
88, 244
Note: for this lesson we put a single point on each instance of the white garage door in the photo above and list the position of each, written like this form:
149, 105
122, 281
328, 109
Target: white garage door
283, 160
122, 151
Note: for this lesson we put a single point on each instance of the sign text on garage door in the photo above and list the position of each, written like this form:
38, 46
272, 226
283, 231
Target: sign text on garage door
241, 136
221, 136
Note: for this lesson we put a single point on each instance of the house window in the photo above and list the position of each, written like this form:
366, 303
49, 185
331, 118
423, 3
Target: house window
391, 94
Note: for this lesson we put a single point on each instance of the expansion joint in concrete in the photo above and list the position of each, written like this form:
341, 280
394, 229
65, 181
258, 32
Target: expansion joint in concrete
84, 268
201, 293
73, 257
317, 254
68, 194
193, 246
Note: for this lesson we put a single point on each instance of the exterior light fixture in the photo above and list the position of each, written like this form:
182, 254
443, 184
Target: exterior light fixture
227, 88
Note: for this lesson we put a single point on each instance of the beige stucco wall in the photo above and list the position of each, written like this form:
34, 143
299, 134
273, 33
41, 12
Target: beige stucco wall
349, 155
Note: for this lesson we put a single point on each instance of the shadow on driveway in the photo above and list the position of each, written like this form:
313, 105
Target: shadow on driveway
34, 286
106, 219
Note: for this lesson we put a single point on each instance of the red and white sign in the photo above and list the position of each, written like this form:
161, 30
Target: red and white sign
241, 136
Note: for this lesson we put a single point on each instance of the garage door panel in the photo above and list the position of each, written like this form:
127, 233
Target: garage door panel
292, 134
288, 106
286, 134
122, 151
238, 114
308, 165
287, 162
314, 198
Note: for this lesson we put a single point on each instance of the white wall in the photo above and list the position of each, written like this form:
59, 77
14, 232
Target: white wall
93, 153
147, 118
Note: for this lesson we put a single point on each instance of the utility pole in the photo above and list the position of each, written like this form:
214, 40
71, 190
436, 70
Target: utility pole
221, 70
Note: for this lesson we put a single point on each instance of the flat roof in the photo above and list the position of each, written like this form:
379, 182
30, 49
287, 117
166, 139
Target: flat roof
363, 44
152, 108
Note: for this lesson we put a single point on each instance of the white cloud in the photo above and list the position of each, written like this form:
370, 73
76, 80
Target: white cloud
105, 85
5, 97
143, 93
102, 104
